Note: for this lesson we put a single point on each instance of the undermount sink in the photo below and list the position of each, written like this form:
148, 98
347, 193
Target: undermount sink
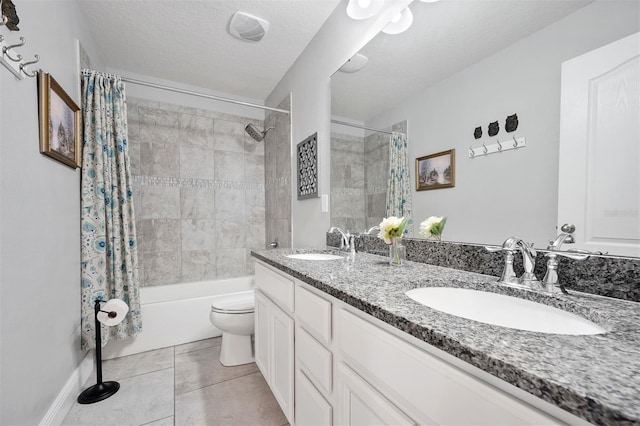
502, 310
314, 256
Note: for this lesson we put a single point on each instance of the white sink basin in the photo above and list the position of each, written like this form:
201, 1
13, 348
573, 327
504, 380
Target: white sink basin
505, 311
314, 256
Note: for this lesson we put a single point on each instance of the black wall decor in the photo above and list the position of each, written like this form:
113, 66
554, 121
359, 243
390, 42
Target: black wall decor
512, 123
307, 153
494, 128
477, 133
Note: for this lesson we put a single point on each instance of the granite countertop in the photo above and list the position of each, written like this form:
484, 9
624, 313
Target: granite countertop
596, 377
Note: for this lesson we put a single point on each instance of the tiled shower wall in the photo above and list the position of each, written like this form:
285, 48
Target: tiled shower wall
348, 182
198, 192
277, 146
359, 179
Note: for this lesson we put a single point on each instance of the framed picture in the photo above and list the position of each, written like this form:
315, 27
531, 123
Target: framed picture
59, 120
436, 171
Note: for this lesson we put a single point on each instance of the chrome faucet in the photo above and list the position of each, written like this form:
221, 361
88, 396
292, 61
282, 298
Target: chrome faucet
528, 279
373, 228
346, 237
550, 281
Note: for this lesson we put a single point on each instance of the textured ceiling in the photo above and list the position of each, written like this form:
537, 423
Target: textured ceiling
187, 41
445, 38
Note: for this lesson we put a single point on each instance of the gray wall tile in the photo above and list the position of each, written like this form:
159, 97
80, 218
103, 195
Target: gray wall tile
228, 166
160, 234
196, 130
198, 234
196, 163
157, 126
197, 203
229, 203
160, 202
162, 268
159, 160
228, 135
198, 265
231, 262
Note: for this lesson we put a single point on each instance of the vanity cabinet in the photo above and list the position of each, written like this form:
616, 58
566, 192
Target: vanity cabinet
274, 334
351, 369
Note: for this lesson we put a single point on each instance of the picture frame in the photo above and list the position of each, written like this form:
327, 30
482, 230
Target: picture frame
436, 171
59, 121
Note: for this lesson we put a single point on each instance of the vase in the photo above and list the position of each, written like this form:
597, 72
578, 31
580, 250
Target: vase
436, 237
397, 252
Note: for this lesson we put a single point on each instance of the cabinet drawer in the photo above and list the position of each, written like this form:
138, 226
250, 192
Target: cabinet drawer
426, 388
311, 407
278, 287
314, 359
314, 313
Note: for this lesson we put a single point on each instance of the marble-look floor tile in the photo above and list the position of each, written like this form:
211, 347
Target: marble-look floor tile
244, 401
197, 369
167, 421
141, 399
198, 345
134, 365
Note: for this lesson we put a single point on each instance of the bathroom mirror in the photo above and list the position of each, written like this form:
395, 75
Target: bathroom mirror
460, 66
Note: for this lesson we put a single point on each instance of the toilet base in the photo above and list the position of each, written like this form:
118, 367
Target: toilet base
236, 350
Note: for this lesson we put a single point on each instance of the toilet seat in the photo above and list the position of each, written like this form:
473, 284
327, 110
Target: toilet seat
234, 303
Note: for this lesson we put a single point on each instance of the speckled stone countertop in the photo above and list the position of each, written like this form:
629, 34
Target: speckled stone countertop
596, 377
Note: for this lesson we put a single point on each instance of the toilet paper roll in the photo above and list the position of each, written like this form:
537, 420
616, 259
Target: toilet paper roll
113, 312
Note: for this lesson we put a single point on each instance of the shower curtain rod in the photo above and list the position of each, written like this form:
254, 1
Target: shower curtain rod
344, 123
202, 95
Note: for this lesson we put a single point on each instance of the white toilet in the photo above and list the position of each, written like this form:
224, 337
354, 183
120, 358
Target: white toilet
233, 314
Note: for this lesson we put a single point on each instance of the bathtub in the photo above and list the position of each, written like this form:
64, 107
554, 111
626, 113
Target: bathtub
176, 314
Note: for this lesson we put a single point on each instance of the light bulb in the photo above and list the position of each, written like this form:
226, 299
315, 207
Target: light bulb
400, 23
363, 9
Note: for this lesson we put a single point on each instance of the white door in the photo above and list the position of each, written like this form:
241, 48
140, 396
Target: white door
599, 171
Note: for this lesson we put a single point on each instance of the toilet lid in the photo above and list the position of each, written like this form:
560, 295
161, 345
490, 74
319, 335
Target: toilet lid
235, 303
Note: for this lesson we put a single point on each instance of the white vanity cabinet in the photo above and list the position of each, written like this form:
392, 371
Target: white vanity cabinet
351, 369
274, 333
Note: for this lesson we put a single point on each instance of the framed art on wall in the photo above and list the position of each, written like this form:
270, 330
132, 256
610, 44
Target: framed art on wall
436, 171
59, 119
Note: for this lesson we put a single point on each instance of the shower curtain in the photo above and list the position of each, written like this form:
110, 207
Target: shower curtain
399, 187
109, 248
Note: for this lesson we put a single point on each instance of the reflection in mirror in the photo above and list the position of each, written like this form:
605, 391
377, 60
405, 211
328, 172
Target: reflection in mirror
463, 65
359, 174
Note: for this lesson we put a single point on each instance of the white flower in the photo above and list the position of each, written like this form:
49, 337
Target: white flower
391, 227
432, 226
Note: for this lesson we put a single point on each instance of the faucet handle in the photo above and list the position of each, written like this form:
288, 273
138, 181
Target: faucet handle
493, 249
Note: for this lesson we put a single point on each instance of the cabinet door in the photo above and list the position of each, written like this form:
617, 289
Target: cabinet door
361, 404
311, 407
262, 334
281, 349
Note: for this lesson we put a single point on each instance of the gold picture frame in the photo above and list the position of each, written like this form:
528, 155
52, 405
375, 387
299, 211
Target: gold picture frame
436, 171
59, 119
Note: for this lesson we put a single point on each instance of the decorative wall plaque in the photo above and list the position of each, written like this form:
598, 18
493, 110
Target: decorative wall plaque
307, 154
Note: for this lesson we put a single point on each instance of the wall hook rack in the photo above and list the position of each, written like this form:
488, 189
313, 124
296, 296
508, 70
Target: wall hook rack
13, 60
479, 151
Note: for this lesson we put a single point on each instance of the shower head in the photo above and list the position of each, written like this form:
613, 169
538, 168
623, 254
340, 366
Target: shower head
256, 133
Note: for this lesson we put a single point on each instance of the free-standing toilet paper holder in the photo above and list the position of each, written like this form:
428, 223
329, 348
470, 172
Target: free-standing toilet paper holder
103, 390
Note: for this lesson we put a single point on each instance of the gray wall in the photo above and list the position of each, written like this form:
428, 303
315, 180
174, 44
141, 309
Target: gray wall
278, 195
198, 191
39, 224
513, 193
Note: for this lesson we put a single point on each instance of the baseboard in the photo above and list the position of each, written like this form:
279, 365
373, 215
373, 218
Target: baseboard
65, 399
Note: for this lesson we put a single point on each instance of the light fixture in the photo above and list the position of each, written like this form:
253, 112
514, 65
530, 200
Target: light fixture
363, 9
248, 27
400, 23
354, 64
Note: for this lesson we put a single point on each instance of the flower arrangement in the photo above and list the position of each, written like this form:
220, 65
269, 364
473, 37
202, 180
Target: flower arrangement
392, 227
433, 227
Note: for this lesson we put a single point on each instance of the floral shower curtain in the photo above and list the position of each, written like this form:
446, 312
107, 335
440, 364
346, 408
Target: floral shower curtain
399, 186
109, 248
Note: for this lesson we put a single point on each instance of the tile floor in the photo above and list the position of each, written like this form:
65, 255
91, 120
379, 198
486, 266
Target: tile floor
181, 385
